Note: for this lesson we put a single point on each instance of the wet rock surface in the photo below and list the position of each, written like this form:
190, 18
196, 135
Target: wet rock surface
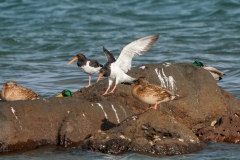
116, 123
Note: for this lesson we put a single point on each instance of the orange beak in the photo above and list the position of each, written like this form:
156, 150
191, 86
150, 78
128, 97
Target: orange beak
74, 59
99, 76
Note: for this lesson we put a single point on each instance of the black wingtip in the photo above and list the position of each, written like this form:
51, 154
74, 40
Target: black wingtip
109, 55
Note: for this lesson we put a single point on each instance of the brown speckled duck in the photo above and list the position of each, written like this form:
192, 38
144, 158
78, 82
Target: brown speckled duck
150, 94
11, 91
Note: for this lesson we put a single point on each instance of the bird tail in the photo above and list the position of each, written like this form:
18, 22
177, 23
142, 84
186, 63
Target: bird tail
128, 79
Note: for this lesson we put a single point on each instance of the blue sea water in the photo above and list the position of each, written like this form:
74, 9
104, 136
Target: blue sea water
39, 38
211, 151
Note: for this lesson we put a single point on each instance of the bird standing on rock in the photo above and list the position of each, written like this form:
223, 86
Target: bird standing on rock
11, 91
117, 69
217, 75
151, 94
88, 66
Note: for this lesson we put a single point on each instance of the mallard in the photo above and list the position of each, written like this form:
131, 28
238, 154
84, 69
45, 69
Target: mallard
116, 70
11, 91
217, 75
65, 93
150, 94
88, 66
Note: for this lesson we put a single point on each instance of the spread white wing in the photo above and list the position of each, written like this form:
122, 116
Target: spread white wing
133, 49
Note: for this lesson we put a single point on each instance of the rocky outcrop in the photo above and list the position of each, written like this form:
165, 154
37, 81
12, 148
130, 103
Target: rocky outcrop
225, 129
54, 121
115, 123
170, 129
200, 99
151, 132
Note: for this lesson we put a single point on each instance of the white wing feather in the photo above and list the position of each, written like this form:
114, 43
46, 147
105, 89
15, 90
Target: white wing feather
133, 49
213, 70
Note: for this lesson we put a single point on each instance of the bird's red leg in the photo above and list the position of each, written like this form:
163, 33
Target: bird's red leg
106, 92
89, 81
148, 108
113, 89
154, 107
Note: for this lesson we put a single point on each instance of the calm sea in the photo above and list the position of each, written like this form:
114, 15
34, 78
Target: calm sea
38, 38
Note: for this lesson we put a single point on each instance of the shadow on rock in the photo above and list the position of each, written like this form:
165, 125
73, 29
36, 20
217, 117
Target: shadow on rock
152, 132
106, 125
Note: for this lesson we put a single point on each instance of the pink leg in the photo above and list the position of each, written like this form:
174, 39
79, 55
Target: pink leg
89, 81
147, 108
154, 107
106, 92
113, 89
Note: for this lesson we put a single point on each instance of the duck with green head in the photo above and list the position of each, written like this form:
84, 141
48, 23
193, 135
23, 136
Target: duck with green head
217, 75
65, 93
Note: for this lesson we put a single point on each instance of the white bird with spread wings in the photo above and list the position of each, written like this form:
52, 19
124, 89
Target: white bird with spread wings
117, 69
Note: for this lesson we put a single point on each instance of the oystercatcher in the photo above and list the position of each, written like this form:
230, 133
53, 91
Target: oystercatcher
217, 75
88, 66
117, 69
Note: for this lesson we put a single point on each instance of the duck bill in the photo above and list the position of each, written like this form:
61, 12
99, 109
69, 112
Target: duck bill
59, 95
99, 76
74, 59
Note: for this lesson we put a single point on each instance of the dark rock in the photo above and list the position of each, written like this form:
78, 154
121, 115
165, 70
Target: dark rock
201, 100
151, 132
90, 120
225, 129
170, 129
54, 121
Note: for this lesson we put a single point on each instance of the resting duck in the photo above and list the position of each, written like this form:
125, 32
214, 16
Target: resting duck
11, 91
150, 94
65, 93
217, 75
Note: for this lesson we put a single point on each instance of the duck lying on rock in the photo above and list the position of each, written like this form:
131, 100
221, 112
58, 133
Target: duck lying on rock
11, 91
215, 73
150, 93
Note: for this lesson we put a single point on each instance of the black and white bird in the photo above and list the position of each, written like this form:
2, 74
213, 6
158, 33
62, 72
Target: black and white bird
117, 69
88, 66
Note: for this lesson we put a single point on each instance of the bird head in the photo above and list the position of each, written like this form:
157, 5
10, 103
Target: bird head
10, 84
140, 81
65, 93
197, 63
103, 72
79, 56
